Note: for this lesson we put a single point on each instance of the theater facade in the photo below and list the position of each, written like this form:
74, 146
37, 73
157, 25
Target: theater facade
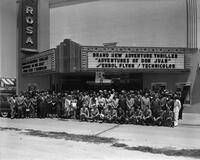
71, 65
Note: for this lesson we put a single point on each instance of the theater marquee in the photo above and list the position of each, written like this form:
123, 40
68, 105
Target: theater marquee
42, 62
134, 58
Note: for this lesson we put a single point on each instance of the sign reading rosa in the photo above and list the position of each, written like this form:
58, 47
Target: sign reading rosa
29, 21
29, 25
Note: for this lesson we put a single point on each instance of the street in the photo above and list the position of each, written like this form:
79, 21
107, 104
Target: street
70, 139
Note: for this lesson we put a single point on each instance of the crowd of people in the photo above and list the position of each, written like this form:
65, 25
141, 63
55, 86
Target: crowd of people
143, 107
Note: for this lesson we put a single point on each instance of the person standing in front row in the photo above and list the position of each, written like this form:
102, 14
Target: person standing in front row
11, 101
182, 98
20, 105
145, 101
177, 107
42, 106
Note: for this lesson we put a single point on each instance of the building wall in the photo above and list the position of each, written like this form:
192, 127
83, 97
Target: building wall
8, 38
195, 74
68, 56
159, 23
42, 82
194, 77
60, 59
198, 24
43, 25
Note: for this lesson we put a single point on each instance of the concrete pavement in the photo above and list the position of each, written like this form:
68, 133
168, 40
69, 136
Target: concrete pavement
194, 108
16, 144
186, 135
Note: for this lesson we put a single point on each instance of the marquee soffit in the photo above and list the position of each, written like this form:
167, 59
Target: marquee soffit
60, 3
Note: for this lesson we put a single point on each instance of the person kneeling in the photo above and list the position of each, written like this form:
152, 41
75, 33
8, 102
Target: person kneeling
147, 116
105, 114
111, 116
168, 117
136, 117
95, 116
84, 113
132, 117
121, 118
159, 118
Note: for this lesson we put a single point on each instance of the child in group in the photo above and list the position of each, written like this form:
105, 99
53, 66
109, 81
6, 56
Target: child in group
109, 115
113, 115
95, 116
137, 117
105, 113
84, 113
121, 116
167, 118
73, 107
132, 116
147, 116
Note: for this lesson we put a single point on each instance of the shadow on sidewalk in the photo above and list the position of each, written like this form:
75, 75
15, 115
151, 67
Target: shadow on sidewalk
169, 151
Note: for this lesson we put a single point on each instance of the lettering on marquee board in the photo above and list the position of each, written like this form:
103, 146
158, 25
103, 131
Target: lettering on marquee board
42, 62
134, 58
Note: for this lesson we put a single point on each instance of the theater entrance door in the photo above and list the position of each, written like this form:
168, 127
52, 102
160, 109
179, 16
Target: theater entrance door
185, 90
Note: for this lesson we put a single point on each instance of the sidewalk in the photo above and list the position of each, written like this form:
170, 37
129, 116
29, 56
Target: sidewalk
190, 119
184, 136
195, 108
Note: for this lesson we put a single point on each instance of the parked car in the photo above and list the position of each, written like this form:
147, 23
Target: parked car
4, 106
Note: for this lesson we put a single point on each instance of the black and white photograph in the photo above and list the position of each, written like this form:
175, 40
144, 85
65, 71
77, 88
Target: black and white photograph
99, 79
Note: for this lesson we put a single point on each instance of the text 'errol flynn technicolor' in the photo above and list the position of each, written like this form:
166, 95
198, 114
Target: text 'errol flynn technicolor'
134, 58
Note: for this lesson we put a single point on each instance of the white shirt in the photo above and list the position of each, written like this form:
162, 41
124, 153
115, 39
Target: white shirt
177, 105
